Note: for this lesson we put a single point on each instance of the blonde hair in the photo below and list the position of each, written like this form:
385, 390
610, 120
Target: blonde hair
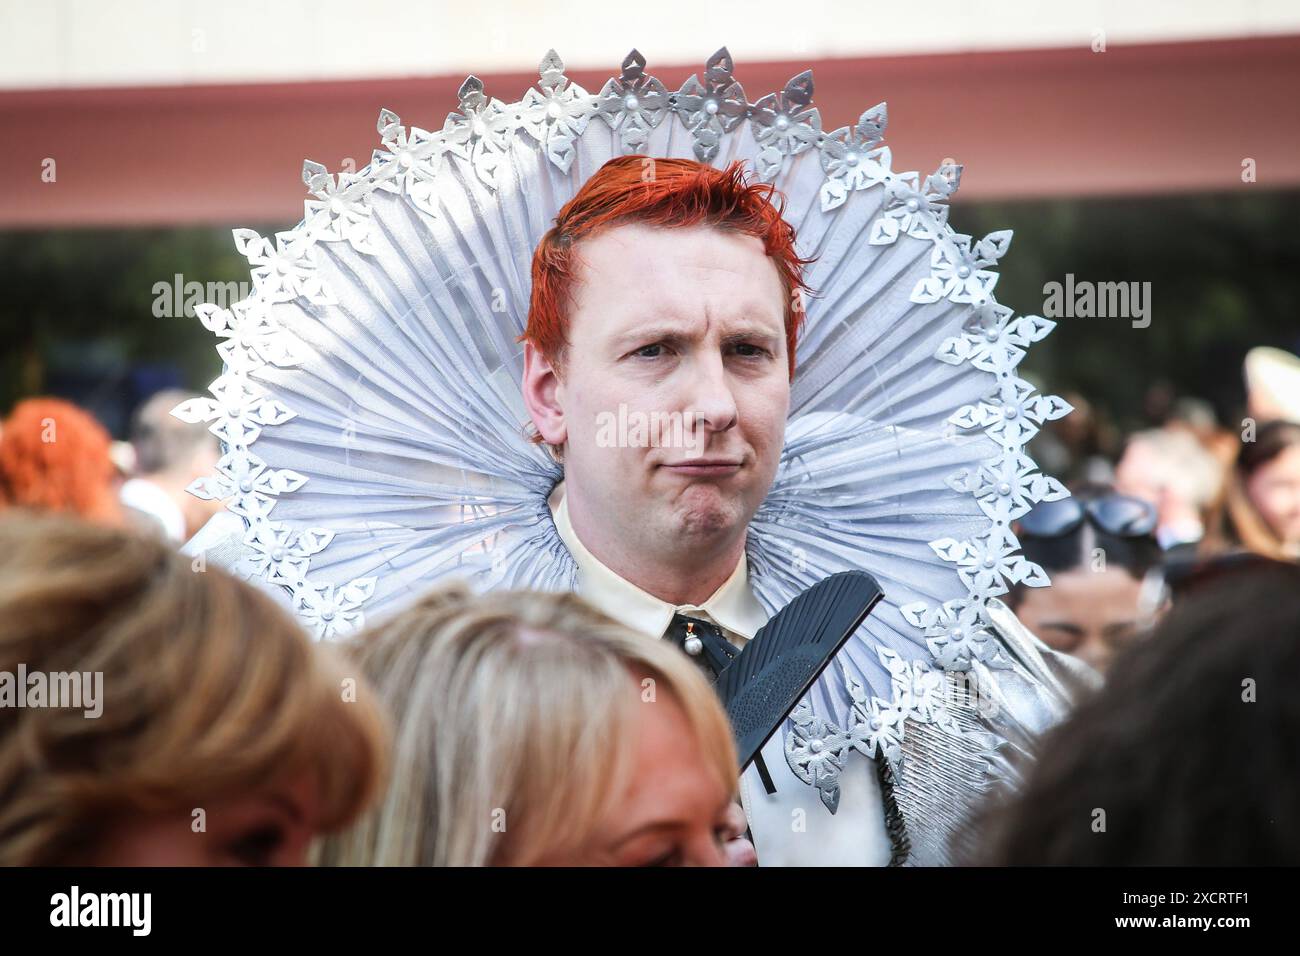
209, 690
513, 711
1238, 523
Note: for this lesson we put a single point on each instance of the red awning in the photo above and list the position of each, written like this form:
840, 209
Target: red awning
1145, 119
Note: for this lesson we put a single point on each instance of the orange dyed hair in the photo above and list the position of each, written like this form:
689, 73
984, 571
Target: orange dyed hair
658, 192
55, 457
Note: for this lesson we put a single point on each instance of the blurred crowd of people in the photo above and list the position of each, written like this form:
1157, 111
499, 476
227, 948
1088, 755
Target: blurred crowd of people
55, 456
481, 730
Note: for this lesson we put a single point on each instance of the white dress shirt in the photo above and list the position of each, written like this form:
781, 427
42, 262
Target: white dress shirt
790, 827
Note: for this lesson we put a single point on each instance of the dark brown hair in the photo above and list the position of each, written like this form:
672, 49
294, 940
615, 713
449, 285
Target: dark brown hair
210, 689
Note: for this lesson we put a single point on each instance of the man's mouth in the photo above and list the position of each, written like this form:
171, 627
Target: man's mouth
704, 467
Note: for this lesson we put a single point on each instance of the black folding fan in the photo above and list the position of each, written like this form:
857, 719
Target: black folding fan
775, 669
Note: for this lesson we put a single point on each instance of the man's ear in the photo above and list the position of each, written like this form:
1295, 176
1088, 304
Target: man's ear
541, 388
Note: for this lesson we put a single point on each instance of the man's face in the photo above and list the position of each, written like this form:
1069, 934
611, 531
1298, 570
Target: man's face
675, 388
1090, 614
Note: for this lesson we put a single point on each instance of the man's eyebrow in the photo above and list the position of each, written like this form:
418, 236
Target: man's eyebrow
662, 332
1063, 626
752, 332
652, 333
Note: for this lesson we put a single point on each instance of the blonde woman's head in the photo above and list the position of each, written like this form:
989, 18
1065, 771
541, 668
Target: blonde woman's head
533, 730
210, 730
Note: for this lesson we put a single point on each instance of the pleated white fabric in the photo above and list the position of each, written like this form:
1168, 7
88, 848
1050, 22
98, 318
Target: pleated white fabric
372, 420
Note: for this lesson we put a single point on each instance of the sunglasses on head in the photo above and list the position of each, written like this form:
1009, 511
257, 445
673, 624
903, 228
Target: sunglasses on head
1119, 515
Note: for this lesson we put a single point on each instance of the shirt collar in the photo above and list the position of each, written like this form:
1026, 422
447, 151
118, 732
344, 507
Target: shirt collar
733, 606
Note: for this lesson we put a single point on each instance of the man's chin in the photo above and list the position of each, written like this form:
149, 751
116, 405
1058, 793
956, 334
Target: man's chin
703, 513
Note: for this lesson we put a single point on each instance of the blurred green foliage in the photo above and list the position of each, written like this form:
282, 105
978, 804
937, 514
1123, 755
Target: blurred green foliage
1224, 273
81, 302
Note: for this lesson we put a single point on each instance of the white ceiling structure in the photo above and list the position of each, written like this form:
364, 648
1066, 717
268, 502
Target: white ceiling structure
48, 44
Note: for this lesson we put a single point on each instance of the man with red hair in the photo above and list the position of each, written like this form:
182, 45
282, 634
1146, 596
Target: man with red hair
682, 480
669, 291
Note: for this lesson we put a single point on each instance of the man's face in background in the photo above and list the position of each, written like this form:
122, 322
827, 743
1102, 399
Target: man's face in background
684, 327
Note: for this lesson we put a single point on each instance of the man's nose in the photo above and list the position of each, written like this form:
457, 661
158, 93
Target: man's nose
1094, 652
712, 399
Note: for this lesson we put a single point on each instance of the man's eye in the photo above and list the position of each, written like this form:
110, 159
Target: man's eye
649, 351
258, 846
749, 350
1060, 640
1121, 636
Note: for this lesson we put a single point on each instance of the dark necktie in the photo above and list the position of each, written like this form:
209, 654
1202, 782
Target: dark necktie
703, 642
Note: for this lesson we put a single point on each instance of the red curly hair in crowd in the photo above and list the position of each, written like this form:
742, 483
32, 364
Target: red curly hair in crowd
658, 192
55, 457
